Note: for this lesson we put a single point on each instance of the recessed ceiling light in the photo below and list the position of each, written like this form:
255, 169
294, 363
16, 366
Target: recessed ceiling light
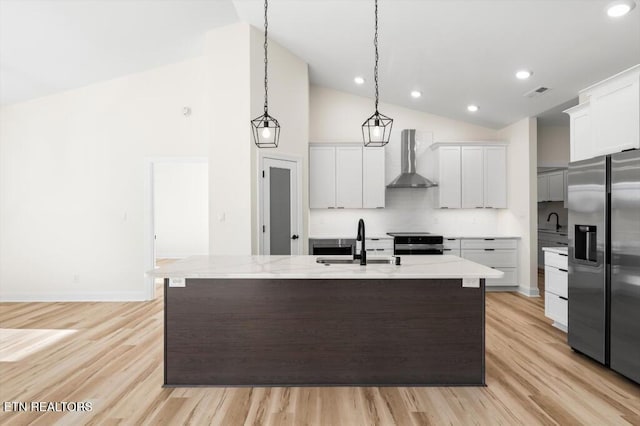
472, 108
359, 80
620, 8
416, 94
523, 74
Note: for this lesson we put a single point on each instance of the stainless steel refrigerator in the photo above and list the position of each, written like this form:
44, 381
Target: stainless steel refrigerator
604, 260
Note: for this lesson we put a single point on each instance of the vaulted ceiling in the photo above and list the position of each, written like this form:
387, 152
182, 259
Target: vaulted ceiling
456, 52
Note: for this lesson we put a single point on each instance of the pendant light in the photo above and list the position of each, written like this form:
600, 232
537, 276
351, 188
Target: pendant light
376, 130
266, 129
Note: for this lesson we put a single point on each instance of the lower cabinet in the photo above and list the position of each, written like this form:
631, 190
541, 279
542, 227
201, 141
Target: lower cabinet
496, 253
377, 247
556, 294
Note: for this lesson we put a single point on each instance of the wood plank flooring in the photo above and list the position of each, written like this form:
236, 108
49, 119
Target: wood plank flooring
114, 360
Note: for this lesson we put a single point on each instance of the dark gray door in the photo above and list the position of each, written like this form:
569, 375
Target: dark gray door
625, 264
587, 263
280, 209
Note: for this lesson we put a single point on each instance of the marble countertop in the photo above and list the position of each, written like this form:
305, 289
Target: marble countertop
297, 267
559, 250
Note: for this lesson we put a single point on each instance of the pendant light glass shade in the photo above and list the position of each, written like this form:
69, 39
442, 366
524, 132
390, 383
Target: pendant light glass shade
376, 130
265, 129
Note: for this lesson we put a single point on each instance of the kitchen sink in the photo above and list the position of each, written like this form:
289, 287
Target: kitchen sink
370, 261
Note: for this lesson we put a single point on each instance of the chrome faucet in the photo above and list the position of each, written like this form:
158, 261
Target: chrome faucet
363, 253
557, 219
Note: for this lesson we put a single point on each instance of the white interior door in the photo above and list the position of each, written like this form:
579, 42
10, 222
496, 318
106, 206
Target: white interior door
281, 219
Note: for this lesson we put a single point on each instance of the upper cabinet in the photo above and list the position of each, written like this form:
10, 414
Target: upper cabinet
471, 175
608, 118
552, 186
346, 177
449, 189
373, 178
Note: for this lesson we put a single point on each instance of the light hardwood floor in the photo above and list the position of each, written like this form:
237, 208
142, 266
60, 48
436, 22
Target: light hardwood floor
114, 360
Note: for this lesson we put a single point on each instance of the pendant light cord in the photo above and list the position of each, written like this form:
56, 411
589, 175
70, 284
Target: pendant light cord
375, 43
266, 62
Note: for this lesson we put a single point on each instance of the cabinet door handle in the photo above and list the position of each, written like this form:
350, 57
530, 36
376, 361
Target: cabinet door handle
489, 239
563, 298
561, 254
489, 249
340, 207
451, 239
331, 207
481, 207
563, 244
563, 270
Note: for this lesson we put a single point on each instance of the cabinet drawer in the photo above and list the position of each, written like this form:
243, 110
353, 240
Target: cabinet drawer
451, 243
492, 258
452, 252
384, 243
556, 281
377, 252
508, 279
558, 260
482, 243
556, 308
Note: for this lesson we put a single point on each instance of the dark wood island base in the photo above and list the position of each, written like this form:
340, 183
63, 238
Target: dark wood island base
320, 332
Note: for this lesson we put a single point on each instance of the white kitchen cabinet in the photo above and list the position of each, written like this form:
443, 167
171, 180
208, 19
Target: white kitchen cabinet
449, 178
322, 177
580, 136
556, 186
608, 118
551, 186
472, 177
556, 298
377, 247
496, 253
543, 188
337, 175
373, 178
349, 177
495, 177
615, 112
452, 246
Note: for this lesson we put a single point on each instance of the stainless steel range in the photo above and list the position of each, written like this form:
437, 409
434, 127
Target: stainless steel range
412, 243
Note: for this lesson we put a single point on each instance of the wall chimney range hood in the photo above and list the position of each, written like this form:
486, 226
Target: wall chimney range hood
408, 177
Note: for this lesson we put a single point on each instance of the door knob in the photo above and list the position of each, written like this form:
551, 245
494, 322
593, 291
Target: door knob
294, 237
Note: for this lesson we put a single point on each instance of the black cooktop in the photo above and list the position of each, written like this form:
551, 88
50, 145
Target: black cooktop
408, 234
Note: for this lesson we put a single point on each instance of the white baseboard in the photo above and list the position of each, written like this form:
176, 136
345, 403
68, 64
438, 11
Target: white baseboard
529, 292
125, 296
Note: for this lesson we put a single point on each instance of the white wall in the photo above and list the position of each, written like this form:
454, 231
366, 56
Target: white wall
72, 182
289, 104
228, 92
521, 216
553, 146
236, 95
181, 208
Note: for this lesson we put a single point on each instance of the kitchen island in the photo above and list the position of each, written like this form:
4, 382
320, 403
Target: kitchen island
287, 320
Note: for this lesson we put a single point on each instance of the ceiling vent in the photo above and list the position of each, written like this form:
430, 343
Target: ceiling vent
536, 92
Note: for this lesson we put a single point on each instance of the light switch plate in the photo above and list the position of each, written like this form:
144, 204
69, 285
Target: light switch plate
177, 282
471, 282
